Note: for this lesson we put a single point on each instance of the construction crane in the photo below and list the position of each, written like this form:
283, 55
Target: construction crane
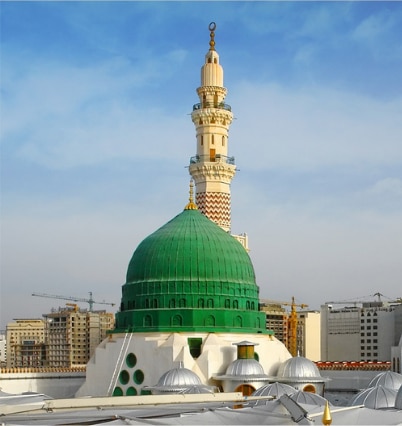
292, 321
90, 301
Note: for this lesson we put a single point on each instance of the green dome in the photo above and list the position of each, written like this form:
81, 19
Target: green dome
190, 247
190, 275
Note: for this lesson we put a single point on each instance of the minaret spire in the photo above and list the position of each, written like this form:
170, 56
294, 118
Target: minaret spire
212, 27
212, 169
191, 205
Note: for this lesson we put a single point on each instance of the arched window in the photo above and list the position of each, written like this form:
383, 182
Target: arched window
252, 306
147, 321
210, 303
210, 321
248, 305
238, 322
146, 303
235, 304
223, 140
200, 303
177, 321
227, 303
155, 303
172, 303
182, 303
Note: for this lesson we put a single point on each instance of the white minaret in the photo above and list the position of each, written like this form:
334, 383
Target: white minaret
212, 169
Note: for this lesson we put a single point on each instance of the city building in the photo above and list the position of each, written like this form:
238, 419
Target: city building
309, 334
299, 331
72, 335
66, 338
359, 331
3, 349
26, 343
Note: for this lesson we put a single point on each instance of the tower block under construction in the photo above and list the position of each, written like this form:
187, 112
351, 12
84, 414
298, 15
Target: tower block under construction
211, 168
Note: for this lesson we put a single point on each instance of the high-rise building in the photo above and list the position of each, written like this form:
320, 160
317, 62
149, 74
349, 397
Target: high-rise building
64, 338
72, 335
309, 334
358, 331
26, 343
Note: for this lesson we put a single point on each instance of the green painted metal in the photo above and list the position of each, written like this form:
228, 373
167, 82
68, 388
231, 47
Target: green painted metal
190, 275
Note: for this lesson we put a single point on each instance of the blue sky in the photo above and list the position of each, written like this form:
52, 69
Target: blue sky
96, 135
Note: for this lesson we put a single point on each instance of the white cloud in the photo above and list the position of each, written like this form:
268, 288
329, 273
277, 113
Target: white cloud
392, 186
313, 127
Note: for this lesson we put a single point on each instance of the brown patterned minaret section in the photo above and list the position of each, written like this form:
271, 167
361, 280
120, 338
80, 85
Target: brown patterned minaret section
212, 169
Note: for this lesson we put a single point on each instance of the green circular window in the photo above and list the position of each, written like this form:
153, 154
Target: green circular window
117, 391
138, 377
131, 391
131, 360
124, 377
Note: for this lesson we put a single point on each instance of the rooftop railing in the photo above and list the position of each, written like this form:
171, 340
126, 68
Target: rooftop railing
217, 159
212, 105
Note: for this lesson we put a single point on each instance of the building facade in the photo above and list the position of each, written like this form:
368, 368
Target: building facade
26, 343
365, 331
65, 338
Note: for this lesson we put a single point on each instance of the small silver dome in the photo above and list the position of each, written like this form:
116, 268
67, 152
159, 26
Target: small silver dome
299, 368
388, 379
244, 367
398, 399
275, 390
179, 377
376, 397
302, 397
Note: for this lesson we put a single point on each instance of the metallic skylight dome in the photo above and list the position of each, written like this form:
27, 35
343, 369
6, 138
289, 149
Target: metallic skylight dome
308, 398
388, 379
398, 399
180, 380
299, 368
275, 389
375, 398
179, 377
245, 367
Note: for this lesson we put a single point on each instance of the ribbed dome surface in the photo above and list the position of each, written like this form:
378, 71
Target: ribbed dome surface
190, 247
377, 397
245, 367
388, 379
179, 377
299, 367
398, 399
190, 275
274, 389
302, 397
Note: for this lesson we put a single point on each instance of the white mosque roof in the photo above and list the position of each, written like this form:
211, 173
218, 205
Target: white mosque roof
125, 410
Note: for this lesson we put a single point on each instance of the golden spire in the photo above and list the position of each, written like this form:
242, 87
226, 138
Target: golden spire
326, 417
191, 205
212, 27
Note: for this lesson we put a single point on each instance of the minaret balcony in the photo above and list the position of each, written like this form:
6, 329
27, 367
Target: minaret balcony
218, 158
212, 105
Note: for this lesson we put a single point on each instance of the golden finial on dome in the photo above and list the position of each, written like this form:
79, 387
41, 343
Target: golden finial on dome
212, 27
326, 417
191, 205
